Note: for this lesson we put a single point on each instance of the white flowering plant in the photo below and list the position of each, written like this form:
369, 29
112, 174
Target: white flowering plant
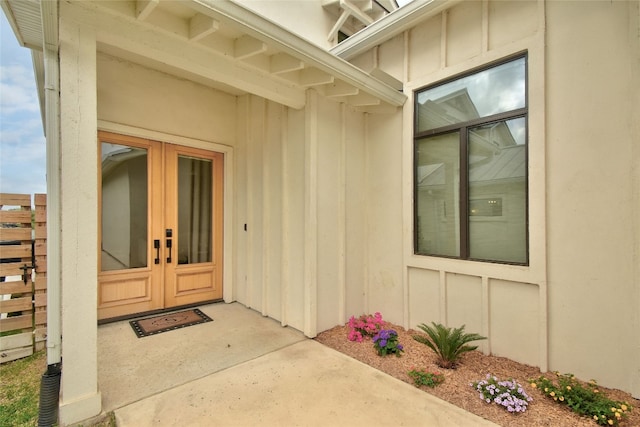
508, 394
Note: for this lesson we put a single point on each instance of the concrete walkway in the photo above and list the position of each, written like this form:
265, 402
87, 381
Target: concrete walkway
243, 369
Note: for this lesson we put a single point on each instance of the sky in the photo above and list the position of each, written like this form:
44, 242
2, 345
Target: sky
22, 141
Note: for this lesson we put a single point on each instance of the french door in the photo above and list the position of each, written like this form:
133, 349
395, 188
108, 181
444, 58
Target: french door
160, 237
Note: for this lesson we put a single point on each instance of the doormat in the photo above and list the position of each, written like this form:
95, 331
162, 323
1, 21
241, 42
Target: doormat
168, 322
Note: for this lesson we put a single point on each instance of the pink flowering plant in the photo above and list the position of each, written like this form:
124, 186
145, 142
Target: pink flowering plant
509, 394
386, 342
424, 377
364, 326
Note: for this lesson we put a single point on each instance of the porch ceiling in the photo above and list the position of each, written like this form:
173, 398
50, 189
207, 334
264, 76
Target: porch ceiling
217, 43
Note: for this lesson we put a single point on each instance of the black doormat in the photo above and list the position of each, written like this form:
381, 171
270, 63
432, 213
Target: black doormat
168, 322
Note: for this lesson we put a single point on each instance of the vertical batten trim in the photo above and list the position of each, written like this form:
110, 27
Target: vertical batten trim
367, 200
311, 215
486, 315
342, 229
228, 283
540, 73
443, 39
485, 26
443, 298
407, 187
635, 210
249, 282
240, 259
286, 232
266, 211
543, 328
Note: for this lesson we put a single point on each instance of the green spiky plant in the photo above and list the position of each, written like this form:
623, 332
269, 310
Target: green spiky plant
448, 344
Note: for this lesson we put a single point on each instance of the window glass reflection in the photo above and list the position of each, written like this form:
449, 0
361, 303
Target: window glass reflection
438, 183
498, 191
124, 207
492, 91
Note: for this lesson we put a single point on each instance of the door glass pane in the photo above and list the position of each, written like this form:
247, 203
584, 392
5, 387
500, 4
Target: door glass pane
194, 210
124, 207
495, 90
498, 192
437, 202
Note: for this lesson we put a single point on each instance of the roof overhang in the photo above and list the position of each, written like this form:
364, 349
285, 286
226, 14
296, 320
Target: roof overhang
390, 26
215, 42
35, 25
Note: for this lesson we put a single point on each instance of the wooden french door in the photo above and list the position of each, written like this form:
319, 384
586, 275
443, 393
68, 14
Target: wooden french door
161, 225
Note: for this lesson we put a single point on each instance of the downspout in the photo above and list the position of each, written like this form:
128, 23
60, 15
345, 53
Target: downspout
50, 383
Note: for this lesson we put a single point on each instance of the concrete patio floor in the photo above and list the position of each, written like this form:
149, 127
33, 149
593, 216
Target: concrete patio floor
244, 369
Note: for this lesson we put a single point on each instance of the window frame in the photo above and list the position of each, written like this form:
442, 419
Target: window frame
463, 129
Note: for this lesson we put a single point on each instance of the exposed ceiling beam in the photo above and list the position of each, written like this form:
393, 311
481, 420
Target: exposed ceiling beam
246, 47
339, 23
314, 77
284, 63
144, 8
164, 49
390, 25
283, 40
356, 12
339, 89
363, 100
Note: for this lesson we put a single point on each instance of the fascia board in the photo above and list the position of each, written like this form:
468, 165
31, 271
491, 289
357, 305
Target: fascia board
271, 33
49, 13
8, 12
389, 26
37, 59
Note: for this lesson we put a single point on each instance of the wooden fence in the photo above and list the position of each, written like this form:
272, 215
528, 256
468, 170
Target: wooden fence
23, 269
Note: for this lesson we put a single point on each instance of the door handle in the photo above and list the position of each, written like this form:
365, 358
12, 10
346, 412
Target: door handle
169, 247
156, 245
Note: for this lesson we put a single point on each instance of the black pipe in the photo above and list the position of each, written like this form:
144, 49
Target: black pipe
49, 396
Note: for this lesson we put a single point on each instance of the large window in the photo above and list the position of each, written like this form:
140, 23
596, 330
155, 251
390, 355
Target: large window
470, 175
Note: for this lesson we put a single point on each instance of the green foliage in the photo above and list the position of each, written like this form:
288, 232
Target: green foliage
423, 377
584, 400
448, 344
20, 391
386, 342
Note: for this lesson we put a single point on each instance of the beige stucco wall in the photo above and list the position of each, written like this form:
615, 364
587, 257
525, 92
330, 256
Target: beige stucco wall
582, 284
133, 95
305, 18
593, 140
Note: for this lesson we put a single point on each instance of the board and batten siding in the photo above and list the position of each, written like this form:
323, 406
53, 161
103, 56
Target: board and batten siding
414, 289
582, 284
299, 193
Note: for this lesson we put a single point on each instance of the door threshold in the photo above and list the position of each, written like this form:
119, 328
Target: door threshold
158, 311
